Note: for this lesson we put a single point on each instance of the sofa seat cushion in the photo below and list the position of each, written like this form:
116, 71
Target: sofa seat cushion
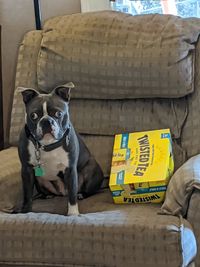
10, 175
104, 234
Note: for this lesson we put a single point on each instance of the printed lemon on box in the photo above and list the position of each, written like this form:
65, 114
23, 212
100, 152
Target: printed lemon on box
142, 165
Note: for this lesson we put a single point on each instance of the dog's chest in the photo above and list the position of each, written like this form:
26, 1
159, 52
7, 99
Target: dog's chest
52, 161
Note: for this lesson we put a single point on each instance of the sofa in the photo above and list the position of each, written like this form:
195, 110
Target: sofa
131, 73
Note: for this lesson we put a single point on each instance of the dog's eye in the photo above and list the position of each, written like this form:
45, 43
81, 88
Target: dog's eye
58, 114
34, 116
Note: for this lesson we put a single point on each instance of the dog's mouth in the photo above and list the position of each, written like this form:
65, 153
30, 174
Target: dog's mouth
49, 133
48, 138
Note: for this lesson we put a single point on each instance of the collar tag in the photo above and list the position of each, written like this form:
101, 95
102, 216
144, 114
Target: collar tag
39, 171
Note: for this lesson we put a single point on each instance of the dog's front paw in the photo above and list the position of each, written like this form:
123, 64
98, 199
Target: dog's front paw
73, 210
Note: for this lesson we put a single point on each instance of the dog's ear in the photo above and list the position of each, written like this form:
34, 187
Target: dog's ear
27, 93
63, 91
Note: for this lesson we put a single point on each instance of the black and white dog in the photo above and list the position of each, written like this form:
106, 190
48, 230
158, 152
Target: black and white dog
53, 156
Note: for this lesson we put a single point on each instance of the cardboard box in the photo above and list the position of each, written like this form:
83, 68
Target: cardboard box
142, 164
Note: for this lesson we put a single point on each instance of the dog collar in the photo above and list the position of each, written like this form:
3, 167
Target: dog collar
49, 147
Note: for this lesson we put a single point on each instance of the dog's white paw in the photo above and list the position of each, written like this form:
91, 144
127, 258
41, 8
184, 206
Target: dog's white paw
73, 210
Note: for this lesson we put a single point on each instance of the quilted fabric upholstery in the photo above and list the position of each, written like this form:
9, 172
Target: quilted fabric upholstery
110, 55
117, 116
10, 179
98, 120
112, 234
193, 217
181, 186
191, 129
104, 234
26, 75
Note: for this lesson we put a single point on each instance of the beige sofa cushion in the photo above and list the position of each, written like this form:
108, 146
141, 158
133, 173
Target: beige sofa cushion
181, 186
193, 216
10, 180
112, 55
26, 76
105, 234
96, 119
110, 117
191, 130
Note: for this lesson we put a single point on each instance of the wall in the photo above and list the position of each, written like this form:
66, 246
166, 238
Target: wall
94, 5
16, 18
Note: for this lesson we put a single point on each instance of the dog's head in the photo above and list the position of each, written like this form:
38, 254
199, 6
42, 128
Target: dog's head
47, 115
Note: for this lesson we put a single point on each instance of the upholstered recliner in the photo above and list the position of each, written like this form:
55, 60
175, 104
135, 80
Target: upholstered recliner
131, 73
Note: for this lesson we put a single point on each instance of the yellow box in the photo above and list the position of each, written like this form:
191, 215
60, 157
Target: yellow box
142, 164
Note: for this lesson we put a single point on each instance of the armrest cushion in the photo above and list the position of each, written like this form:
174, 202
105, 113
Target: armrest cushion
181, 186
193, 216
10, 180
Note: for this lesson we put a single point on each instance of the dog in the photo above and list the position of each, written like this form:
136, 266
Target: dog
53, 156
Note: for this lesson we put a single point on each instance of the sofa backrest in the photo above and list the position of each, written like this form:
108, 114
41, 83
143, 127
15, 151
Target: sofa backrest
131, 73
190, 138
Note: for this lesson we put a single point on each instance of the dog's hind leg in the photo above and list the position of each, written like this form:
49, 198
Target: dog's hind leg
90, 179
45, 189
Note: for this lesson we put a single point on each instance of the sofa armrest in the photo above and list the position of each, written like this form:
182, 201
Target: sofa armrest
183, 196
10, 180
181, 186
26, 76
193, 216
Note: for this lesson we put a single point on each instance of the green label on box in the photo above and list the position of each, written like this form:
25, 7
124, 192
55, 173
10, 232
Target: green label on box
120, 177
124, 141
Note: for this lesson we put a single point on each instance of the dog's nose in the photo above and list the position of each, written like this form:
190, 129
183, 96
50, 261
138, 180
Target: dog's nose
46, 124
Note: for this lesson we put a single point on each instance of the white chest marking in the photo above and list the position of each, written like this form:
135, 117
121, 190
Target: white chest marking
45, 108
52, 161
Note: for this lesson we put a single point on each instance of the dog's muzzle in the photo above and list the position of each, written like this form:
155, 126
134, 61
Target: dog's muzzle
47, 125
